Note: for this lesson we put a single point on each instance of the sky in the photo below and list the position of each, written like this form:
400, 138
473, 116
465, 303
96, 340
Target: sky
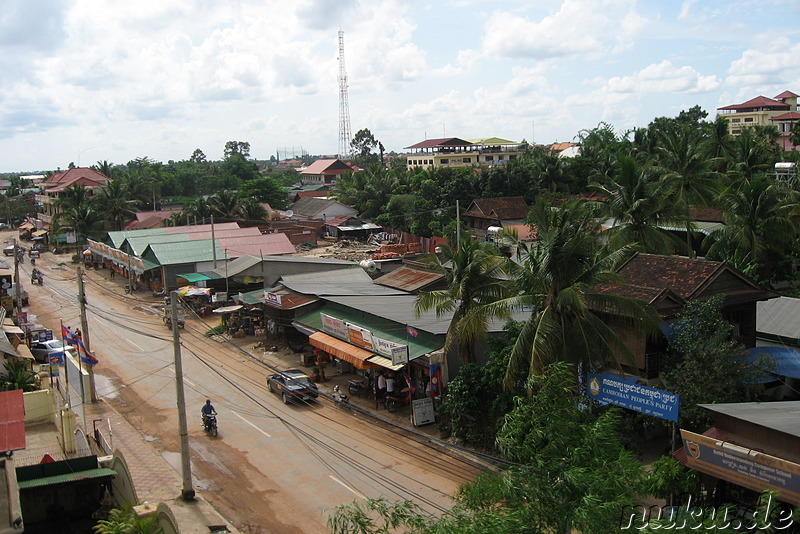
85, 81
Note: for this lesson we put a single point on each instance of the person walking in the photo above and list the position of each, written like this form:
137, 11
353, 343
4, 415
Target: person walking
390, 385
381, 391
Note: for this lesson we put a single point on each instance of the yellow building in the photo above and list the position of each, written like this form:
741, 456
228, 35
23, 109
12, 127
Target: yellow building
780, 111
455, 152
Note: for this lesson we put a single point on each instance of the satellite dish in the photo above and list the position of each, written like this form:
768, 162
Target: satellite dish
289, 213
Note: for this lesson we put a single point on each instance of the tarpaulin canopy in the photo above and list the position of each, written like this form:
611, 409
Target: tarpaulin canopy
39, 233
787, 361
228, 309
193, 291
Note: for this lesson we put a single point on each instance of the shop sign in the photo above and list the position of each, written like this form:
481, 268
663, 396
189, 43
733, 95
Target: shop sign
387, 348
332, 325
400, 355
273, 299
422, 412
609, 388
360, 336
745, 467
44, 335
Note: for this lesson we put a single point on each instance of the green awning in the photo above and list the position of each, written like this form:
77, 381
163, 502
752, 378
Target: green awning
78, 476
199, 277
423, 344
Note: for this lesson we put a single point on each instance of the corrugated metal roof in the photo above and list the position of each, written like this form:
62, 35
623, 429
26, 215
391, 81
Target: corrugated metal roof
77, 476
424, 343
407, 279
184, 252
12, 420
779, 317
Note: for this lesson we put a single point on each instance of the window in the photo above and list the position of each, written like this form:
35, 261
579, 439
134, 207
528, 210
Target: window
736, 132
736, 120
748, 119
466, 160
445, 161
489, 158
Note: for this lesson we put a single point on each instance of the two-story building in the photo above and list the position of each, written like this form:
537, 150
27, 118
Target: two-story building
780, 111
456, 152
54, 187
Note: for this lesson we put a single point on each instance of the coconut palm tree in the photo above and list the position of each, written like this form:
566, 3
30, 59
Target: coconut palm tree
560, 281
638, 204
252, 210
76, 209
475, 274
682, 157
114, 202
196, 209
757, 225
224, 204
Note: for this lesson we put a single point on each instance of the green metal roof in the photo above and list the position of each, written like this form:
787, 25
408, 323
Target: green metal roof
119, 237
138, 244
424, 343
77, 476
183, 252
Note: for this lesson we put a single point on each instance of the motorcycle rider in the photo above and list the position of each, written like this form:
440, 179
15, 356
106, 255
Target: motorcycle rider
206, 410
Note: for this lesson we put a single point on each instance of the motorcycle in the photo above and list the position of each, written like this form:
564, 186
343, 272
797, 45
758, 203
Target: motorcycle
210, 424
36, 277
338, 396
356, 387
396, 400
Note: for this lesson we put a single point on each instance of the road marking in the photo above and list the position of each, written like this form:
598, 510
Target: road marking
251, 424
348, 488
134, 344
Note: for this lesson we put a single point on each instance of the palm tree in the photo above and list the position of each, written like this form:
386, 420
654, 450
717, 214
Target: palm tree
196, 209
224, 204
475, 275
749, 156
113, 200
638, 203
252, 210
682, 156
18, 376
560, 281
757, 225
76, 209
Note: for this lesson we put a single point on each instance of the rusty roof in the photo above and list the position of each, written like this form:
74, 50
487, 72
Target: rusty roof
441, 143
500, 208
409, 279
12, 420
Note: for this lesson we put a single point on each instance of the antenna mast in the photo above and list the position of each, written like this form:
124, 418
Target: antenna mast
344, 107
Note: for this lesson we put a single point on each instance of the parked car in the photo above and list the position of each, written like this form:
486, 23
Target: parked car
9, 250
292, 385
42, 350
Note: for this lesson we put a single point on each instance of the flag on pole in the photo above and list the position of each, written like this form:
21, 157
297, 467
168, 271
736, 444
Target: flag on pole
411, 331
73, 338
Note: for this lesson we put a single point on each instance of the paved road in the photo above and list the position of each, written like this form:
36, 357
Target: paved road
273, 467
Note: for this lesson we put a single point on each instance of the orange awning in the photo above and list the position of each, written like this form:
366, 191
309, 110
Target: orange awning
26, 226
342, 350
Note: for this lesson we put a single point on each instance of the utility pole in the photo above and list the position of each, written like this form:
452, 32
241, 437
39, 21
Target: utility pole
18, 305
85, 334
187, 494
458, 225
213, 243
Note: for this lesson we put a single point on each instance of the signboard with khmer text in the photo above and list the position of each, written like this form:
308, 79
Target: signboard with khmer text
610, 388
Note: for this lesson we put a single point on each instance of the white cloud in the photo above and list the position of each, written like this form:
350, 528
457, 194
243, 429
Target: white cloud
663, 77
579, 27
773, 61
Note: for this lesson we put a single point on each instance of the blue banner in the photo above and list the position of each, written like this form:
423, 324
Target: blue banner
610, 388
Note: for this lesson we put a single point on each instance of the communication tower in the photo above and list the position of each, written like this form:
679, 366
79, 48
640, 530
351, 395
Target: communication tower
344, 107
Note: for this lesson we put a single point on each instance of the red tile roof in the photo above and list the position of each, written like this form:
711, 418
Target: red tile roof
441, 143
70, 175
12, 421
758, 102
792, 115
786, 94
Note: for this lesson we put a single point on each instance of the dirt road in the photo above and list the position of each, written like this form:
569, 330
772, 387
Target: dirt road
274, 467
